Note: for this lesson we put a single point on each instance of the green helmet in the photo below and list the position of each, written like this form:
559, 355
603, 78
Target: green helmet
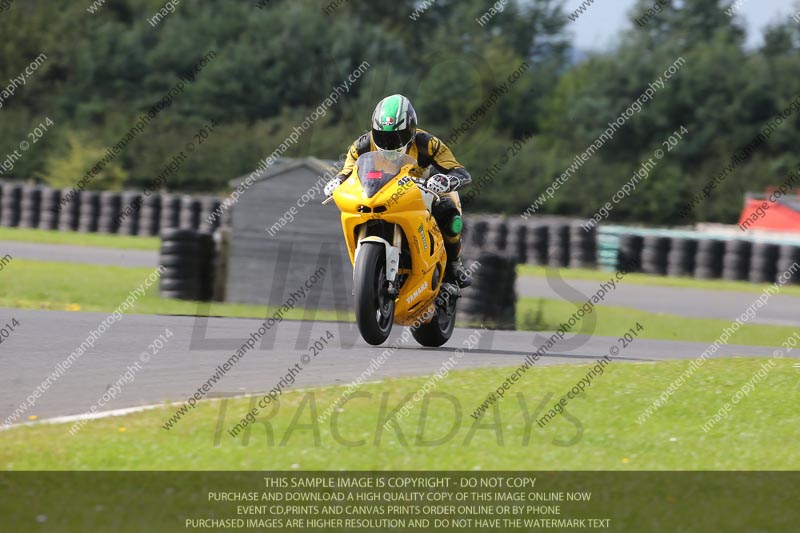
394, 123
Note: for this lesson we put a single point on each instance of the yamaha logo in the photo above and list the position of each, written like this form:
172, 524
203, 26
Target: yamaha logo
417, 293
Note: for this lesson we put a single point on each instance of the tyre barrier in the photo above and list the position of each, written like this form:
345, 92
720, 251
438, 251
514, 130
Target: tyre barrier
208, 205
150, 216
475, 233
708, 261
788, 255
30, 207
537, 245
49, 215
170, 211
89, 211
108, 216
497, 237
189, 213
681, 257
630, 251
124, 213
69, 212
558, 245
764, 262
187, 256
654, 255
492, 298
518, 235
736, 261
10, 205
130, 211
582, 246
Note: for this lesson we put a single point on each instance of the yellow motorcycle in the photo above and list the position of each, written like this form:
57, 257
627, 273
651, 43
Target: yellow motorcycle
397, 251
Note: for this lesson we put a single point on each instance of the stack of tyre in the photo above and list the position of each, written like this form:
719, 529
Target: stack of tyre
124, 213
30, 206
49, 215
492, 298
654, 255
629, 253
558, 252
582, 246
537, 245
69, 211
474, 233
708, 258
150, 215
110, 209
10, 205
788, 257
187, 256
736, 260
681, 257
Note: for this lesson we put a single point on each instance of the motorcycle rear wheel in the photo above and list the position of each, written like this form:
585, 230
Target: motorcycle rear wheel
438, 331
374, 308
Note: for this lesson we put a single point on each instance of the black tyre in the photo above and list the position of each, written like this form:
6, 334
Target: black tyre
438, 331
190, 287
178, 261
179, 234
179, 272
188, 249
374, 309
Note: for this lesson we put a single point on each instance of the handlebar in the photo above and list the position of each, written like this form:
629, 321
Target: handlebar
419, 183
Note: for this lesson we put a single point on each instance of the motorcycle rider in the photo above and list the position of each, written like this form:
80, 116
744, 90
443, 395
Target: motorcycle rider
394, 129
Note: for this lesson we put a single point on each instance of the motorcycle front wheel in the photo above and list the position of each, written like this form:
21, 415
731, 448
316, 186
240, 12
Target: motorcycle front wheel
374, 308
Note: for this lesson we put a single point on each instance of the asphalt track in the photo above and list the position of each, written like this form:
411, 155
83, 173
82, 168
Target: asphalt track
90, 255
45, 338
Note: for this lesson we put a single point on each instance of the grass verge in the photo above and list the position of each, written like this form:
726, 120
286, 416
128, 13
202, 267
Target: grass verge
597, 432
541, 314
26, 284
125, 242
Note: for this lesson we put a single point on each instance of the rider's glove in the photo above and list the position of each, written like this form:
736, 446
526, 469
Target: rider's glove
331, 185
441, 183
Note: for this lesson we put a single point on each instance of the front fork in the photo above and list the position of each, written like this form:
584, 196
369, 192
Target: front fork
392, 288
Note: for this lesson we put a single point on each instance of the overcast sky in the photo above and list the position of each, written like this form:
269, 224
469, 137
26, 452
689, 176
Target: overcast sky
601, 23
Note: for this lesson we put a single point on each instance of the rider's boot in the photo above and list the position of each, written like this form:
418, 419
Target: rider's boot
458, 273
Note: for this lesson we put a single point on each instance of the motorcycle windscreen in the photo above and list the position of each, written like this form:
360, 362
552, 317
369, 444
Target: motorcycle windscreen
376, 169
